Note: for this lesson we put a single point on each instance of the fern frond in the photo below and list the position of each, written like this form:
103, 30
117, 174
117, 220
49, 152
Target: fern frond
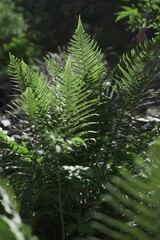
11, 147
12, 144
72, 108
131, 80
54, 68
37, 97
86, 59
17, 70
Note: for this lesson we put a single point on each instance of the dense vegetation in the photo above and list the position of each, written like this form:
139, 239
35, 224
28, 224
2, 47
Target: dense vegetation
81, 168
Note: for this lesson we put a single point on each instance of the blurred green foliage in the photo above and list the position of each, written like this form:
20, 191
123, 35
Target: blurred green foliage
134, 198
11, 225
13, 34
53, 21
11, 20
141, 14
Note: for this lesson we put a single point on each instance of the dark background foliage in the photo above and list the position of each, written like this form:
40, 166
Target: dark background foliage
52, 22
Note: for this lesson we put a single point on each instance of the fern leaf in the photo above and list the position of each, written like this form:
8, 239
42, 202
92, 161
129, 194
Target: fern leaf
55, 69
131, 80
86, 59
12, 144
72, 107
36, 95
17, 70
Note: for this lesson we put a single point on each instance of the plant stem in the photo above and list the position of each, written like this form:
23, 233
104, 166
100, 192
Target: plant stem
60, 203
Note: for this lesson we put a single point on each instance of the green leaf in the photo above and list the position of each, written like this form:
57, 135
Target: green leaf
128, 11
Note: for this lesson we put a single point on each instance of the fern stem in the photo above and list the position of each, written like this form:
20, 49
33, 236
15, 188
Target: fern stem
60, 202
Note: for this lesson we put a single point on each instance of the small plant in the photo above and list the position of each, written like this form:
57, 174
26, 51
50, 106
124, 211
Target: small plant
78, 131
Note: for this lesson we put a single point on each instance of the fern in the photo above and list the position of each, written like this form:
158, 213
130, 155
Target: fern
58, 110
129, 86
73, 119
134, 198
68, 100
